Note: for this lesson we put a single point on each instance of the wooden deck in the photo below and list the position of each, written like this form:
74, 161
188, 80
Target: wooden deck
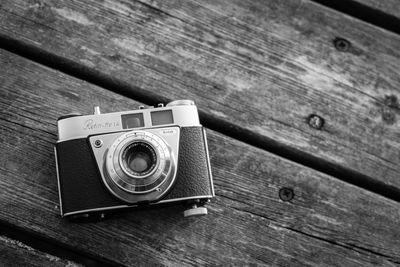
294, 95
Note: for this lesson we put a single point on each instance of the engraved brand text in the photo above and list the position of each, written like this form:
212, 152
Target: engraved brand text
92, 125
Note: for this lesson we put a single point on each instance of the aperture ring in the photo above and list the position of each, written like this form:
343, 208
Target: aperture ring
134, 184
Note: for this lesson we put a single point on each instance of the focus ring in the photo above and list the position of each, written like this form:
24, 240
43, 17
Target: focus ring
133, 188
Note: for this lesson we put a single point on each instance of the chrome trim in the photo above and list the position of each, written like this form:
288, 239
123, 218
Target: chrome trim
84, 126
128, 172
170, 136
181, 199
181, 102
96, 110
134, 206
208, 160
128, 182
58, 181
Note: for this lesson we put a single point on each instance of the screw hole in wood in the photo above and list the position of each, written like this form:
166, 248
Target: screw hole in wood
341, 44
286, 194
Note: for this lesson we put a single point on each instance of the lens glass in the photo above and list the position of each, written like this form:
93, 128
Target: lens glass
139, 158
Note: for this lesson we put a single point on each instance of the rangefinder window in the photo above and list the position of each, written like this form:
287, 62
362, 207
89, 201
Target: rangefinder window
134, 120
161, 117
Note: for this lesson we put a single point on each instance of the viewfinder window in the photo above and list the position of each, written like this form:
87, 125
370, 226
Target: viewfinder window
161, 117
134, 120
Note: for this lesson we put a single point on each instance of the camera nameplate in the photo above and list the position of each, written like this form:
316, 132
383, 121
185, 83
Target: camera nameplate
84, 126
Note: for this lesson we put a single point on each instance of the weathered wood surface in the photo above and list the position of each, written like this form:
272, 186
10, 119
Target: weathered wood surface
328, 222
262, 67
15, 253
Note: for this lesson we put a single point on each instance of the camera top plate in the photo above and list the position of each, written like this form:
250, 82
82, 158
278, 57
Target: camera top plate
183, 114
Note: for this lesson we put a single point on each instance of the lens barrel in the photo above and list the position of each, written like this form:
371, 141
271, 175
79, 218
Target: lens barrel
139, 166
139, 159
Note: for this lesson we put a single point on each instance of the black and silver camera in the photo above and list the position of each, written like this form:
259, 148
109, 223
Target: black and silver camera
136, 158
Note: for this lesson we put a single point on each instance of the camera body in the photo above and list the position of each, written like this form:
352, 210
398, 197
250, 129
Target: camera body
139, 158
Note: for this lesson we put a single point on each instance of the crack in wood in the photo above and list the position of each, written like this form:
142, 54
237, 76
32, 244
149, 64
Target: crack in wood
322, 203
344, 245
107, 82
160, 11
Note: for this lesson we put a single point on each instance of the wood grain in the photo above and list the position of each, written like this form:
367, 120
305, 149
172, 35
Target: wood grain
328, 222
259, 68
15, 253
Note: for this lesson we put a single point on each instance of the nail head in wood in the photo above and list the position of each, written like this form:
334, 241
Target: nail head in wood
341, 44
286, 194
388, 115
316, 121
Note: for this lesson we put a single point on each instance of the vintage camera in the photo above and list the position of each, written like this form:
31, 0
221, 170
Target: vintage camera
138, 158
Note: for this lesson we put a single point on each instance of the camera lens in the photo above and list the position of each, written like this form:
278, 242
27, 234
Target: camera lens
139, 158
140, 166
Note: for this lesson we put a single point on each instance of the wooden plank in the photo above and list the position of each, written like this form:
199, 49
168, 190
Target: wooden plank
259, 68
327, 222
15, 253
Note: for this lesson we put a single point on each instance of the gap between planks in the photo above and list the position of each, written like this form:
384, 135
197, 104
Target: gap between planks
364, 12
17, 253
269, 212
107, 82
55, 249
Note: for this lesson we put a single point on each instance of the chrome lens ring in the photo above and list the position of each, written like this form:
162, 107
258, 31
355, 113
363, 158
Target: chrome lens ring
133, 188
150, 156
128, 182
126, 179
